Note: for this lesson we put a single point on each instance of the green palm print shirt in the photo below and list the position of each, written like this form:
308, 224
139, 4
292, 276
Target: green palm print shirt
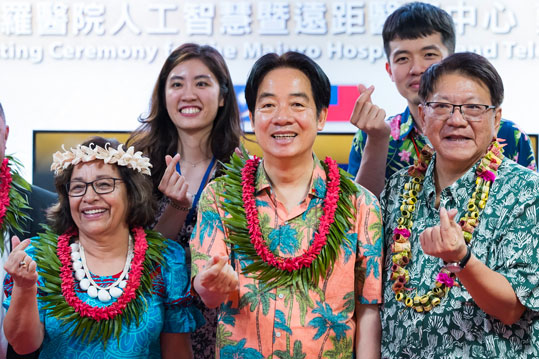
506, 240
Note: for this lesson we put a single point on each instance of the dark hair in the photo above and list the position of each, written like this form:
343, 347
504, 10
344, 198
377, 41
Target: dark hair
469, 64
141, 204
2, 114
157, 136
415, 20
320, 85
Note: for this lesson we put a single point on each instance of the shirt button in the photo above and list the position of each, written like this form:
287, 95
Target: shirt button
281, 296
278, 334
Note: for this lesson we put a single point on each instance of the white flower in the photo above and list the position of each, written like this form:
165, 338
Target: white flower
109, 155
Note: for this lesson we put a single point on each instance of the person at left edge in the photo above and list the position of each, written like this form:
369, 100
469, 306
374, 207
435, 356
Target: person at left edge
27, 204
108, 288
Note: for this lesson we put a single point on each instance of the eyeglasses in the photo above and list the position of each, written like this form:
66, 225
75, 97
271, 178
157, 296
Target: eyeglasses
470, 111
100, 186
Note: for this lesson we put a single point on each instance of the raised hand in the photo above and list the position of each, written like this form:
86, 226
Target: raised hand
446, 240
218, 276
20, 266
173, 185
367, 116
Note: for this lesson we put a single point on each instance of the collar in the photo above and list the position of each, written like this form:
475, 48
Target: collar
315, 187
466, 181
406, 123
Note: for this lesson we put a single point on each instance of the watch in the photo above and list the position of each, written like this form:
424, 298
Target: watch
455, 267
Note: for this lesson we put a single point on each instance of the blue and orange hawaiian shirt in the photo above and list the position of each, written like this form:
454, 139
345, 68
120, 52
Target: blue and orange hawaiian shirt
257, 323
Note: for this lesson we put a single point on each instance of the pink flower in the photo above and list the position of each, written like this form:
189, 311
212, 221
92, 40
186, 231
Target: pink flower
405, 232
395, 127
444, 278
405, 155
488, 176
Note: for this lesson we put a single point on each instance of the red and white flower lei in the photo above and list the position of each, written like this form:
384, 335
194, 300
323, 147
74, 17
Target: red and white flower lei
68, 282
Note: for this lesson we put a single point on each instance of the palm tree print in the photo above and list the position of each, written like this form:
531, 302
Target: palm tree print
239, 351
285, 238
257, 298
328, 322
342, 349
280, 324
296, 354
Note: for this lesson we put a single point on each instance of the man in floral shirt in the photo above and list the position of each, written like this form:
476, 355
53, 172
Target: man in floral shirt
461, 276
292, 253
415, 36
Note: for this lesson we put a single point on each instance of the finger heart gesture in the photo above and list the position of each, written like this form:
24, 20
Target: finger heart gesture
445, 241
21, 267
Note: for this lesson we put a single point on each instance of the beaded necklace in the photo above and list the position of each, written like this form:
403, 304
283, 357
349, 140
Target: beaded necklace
401, 247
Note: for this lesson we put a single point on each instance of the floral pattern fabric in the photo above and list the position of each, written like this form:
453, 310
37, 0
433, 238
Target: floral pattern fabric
284, 322
505, 240
402, 152
169, 310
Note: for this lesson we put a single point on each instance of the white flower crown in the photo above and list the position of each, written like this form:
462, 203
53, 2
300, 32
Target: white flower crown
109, 155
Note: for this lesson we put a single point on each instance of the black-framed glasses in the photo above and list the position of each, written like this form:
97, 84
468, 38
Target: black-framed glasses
469, 111
100, 186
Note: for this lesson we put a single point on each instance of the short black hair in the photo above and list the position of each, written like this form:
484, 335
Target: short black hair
320, 85
417, 19
469, 64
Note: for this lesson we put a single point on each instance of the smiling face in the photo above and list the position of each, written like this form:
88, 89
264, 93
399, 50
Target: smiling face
99, 214
285, 121
409, 58
192, 96
457, 142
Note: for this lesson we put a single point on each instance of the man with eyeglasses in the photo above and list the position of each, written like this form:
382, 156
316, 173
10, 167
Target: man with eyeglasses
461, 276
416, 35
22, 217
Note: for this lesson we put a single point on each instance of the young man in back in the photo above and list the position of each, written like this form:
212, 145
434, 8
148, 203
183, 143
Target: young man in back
416, 35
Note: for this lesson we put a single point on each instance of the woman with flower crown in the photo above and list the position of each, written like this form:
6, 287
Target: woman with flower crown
193, 126
98, 285
288, 247
461, 225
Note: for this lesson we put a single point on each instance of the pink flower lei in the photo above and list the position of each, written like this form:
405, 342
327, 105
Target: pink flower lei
68, 283
5, 187
320, 237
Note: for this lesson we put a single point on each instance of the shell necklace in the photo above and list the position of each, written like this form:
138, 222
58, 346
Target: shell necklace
87, 283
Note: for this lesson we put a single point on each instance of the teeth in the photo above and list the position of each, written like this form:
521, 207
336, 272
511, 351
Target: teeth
284, 136
190, 110
94, 211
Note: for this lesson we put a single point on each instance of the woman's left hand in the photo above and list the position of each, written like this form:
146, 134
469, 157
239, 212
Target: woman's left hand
445, 241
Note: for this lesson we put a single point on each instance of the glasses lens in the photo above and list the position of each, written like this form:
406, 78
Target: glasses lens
76, 188
441, 108
104, 185
473, 111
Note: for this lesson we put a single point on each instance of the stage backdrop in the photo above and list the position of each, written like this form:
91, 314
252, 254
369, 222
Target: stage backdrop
80, 65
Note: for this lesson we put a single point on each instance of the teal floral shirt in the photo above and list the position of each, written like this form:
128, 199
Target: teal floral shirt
405, 143
255, 322
506, 240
